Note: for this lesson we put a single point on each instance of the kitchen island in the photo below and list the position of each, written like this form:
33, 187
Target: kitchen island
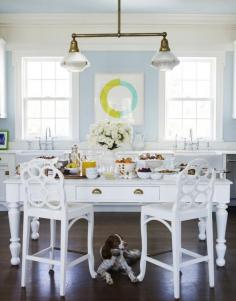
117, 195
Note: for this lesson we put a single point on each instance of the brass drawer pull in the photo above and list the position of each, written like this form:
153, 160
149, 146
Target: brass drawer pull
138, 191
96, 191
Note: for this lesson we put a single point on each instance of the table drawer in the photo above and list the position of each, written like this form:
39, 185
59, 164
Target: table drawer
117, 194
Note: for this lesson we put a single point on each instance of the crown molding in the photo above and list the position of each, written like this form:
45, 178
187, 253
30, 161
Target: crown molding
111, 19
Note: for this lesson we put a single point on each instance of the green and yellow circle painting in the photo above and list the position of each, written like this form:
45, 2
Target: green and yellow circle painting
114, 83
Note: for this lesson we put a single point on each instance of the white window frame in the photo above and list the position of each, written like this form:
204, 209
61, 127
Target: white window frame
218, 108
19, 105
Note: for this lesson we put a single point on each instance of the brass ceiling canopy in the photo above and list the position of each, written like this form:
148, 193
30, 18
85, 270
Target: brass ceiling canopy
163, 60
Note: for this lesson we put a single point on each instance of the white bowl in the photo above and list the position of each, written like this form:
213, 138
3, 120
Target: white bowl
143, 175
73, 171
153, 163
156, 176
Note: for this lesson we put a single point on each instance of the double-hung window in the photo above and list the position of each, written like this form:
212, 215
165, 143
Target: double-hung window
46, 98
190, 99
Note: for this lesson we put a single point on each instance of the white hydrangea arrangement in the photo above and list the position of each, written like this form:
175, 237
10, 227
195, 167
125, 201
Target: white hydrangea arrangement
110, 135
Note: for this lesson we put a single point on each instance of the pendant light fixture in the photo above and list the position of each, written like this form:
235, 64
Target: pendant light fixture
163, 60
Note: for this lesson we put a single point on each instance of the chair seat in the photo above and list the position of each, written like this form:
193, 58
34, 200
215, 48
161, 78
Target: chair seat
163, 210
73, 210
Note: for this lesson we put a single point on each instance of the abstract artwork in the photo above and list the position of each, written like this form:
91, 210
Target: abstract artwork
4, 138
119, 97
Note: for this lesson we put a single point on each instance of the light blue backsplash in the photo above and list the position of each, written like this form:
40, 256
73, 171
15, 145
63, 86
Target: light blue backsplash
124, 62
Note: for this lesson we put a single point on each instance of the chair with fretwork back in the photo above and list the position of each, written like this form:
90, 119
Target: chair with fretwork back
195, 188
44, 192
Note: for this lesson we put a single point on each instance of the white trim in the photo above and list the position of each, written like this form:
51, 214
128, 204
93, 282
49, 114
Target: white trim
234, 83
110, 19
74, 113
220, 64
220, 61
3, 102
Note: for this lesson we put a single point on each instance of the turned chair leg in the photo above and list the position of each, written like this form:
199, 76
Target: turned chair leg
144, 248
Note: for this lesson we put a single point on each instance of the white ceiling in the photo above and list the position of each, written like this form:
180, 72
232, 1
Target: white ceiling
128, 6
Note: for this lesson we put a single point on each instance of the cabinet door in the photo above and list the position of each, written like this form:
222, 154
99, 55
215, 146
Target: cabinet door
3, 177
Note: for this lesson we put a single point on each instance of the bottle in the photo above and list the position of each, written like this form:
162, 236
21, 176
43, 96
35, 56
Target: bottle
87, 163
74, 155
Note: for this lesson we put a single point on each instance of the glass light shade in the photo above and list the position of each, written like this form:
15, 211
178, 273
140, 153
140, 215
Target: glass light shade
164, 60
75, 62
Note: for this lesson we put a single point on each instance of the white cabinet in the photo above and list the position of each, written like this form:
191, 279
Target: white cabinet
7, 168
3, 110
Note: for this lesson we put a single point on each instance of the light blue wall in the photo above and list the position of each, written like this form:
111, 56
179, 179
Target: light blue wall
229, 130
125, 62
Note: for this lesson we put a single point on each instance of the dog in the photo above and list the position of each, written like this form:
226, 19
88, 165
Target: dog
116, 256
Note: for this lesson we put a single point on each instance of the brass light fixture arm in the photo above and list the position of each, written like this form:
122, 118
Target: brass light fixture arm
119, 33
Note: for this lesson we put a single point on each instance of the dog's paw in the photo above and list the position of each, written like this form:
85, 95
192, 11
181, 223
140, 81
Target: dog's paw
93, 274
110, 281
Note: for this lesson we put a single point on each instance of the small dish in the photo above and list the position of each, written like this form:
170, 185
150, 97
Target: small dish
143, 175
91, 175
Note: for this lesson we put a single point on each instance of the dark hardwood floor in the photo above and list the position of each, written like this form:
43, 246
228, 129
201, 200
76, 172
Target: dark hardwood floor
157, 285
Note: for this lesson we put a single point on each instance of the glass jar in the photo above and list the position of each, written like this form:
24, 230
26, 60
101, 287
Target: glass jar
74, 155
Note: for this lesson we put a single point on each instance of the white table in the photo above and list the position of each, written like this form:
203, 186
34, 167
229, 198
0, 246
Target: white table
120, 193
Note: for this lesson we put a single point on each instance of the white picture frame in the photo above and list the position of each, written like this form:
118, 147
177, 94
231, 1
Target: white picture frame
119, 97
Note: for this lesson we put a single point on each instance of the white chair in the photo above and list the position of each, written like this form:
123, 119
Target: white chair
45, 198
193, 201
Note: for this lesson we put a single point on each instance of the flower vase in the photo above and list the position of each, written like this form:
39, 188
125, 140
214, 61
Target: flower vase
108, 164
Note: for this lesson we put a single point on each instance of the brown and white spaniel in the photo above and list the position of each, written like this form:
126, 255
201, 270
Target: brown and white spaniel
116, 256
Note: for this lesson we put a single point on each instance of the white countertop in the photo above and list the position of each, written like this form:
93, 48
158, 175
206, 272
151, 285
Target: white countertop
118, 182
163, 151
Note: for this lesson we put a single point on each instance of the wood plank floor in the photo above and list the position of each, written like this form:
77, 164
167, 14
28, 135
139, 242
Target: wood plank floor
157, 285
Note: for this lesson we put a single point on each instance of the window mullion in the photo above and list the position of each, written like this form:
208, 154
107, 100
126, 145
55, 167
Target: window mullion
39, 101
198, 115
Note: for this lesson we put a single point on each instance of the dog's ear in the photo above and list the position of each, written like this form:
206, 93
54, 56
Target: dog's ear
106, 250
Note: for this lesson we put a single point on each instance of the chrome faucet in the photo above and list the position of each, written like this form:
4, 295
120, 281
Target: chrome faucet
48, 134
191, 144
191, 136
48, 143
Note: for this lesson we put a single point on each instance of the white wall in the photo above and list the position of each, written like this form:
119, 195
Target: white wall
52, 32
